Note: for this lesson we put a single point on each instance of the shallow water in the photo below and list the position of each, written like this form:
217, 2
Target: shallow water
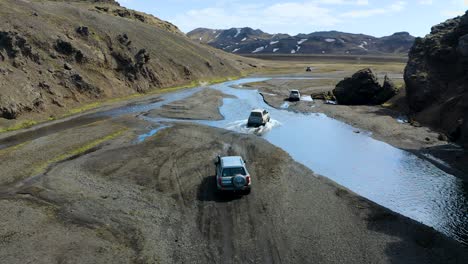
378, 171
151, 133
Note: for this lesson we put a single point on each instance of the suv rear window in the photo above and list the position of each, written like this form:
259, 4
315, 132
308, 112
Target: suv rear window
256, 114
233, 171
294, 92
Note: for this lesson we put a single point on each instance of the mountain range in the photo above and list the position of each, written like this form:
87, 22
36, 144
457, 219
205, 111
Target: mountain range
254, 41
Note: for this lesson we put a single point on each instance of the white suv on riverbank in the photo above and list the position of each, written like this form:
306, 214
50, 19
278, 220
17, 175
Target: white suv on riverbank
258, 117
294, 95
232, 175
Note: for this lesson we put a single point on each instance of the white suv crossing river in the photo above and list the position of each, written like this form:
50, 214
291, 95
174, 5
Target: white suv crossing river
258, 117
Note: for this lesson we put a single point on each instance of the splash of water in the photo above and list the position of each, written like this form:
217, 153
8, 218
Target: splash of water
241, 127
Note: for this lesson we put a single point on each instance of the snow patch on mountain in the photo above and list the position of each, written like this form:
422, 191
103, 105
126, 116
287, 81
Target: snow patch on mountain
239, 31
258, 49
364, 43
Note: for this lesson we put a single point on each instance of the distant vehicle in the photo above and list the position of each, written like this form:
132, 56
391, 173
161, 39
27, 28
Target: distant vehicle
308, 69
294, 95
258, 117
232, 174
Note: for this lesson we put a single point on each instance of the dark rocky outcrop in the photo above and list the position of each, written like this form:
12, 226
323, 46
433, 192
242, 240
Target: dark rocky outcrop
363, 88
16, 45
135, 67
64, 47
84, 86
83, 31
67, 49
436, 79
123, 12
124, 40
389, 90
10, 111
110, 2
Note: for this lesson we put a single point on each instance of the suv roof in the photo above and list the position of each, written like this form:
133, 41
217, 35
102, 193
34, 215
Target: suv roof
257, 110
232, 161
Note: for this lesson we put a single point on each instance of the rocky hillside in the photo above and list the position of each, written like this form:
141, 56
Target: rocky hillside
249, 41
58, 55
437, 78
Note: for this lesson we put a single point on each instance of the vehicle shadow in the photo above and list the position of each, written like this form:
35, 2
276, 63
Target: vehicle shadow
208, 192
287, 99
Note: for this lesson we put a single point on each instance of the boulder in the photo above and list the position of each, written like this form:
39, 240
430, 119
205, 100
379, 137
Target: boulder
67, 67
124, 40
10, 111
83, 31
388, 91
363, 88
64, 47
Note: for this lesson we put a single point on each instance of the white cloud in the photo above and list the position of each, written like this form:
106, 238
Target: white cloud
342, 2
452, 13
426, 2
362, 2
398, 6
395, 7
454, 8
364, 13
281, 16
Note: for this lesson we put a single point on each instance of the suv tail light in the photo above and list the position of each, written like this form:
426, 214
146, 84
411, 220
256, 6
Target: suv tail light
220, 181
248, 180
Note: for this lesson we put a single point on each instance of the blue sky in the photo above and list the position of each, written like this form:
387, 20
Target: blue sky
373, 17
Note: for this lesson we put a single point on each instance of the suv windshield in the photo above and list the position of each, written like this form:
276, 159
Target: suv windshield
294, 92
256, 114
233, 171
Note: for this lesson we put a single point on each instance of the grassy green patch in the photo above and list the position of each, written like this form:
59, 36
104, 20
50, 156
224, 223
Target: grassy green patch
83, 108
394, 67
18, 126
13, 148
80, 150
